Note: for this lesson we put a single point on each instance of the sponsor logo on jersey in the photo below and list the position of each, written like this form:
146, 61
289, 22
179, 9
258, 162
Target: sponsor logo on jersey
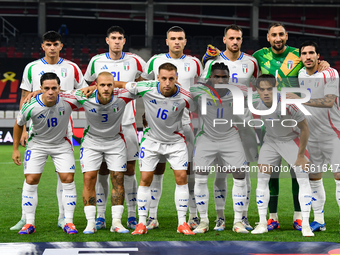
290, 64
245, 68
126, 66
153, 101
187, 67
41, 116
115, 107
124, 166
93, 110
61, 111
73, 167
63, 72
104, 68
175, 106
209, 103
185, 164
41, 73
267, 64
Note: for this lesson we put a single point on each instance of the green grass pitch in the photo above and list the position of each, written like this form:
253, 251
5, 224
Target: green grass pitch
47, 211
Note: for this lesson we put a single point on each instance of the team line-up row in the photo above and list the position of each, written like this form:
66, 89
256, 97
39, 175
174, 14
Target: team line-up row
166, 84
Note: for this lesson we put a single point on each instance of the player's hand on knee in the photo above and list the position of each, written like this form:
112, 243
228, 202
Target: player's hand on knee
211, 52
16, 157
24, 138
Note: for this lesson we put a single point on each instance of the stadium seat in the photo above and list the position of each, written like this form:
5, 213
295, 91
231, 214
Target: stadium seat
9, 115
18, 54
85, 50
2, 114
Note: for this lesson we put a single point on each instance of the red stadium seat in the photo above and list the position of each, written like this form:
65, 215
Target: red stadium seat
18, 54
3, 49
35, 55
85, 50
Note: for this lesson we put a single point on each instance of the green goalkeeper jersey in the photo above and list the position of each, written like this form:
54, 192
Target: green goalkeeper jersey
286, 64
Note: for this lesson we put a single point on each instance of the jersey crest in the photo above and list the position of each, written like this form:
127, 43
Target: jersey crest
126, 66
63, 72
115, 107
175, 106
61, 111
245, 68
290, 64
187, 67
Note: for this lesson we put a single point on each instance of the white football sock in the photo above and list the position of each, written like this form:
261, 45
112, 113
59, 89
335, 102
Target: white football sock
102, 193
156, 192
202, 195
305, 196
246, 205
337, 191
220, 193
181, 201
192, 201
262, 195
143, 202
60, 198
117, 212
30, 201
23, 216
318, 200
69, 200
239, 194
90, 213
130, 186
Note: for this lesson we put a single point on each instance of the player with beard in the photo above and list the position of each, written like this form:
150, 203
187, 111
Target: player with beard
243, 71
284, 63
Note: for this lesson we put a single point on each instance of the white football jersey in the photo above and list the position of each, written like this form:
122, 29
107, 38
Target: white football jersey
189, 69
243, 71
49, 124
68, 72
104, 121
163, 114
128, 68
280, 127
217, 122
324, 123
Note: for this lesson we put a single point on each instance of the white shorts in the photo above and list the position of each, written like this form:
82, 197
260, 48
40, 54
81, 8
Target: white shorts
189, 138
36, 155
113, 151
322, 153
229, 152
271, 152
248, 137
131, 139
150, 153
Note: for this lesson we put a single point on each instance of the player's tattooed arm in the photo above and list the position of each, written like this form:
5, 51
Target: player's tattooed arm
326, 102
117, 180
84, 201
